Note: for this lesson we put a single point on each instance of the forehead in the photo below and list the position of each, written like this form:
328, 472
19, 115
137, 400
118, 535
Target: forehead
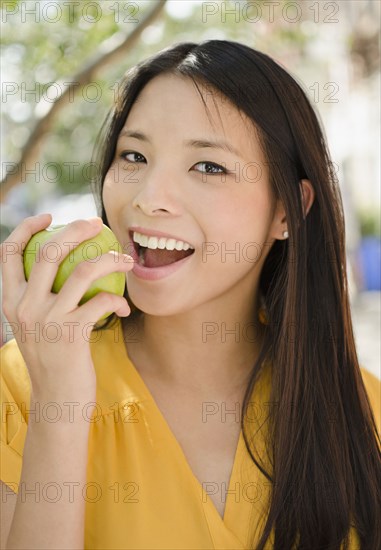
179, 104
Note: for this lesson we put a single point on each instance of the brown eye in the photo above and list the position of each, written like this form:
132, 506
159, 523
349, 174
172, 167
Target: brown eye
211, 168
124, 155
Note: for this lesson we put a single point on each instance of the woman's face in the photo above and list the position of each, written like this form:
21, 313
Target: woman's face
168, 180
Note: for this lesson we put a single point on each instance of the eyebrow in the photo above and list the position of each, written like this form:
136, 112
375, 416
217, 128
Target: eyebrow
197, 143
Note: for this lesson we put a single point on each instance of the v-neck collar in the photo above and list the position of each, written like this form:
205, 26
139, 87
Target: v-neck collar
208, 505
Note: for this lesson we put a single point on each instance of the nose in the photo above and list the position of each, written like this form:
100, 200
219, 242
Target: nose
156, 194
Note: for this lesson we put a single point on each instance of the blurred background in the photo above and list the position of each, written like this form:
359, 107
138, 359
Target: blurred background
61, 62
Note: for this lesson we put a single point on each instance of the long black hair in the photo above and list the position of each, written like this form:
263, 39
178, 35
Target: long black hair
325, 475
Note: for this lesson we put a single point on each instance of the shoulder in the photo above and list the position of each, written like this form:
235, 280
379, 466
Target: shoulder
373, 389
14, 372
9, 352
14, 404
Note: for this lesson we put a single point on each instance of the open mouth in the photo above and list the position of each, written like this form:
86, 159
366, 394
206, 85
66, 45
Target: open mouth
160, 252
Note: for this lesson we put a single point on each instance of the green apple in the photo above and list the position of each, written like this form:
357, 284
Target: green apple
90, 249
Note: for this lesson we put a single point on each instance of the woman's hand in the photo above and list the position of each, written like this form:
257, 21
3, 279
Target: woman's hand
59, 364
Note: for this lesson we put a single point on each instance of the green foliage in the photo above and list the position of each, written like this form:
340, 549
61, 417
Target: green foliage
48, 53
369, 221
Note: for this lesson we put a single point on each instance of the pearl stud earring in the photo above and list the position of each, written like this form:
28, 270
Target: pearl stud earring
285, 234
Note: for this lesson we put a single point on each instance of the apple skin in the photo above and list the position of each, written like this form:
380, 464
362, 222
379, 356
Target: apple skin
90, 249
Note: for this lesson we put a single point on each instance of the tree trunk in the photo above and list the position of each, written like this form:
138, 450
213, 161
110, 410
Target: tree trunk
32, 148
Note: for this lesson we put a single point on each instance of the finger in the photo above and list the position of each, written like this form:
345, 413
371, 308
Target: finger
85, 274
53, 252
12, 249
100, 305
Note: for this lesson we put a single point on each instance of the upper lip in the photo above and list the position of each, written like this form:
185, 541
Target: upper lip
155, 233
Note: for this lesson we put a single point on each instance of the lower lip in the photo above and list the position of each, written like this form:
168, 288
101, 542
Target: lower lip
155, 273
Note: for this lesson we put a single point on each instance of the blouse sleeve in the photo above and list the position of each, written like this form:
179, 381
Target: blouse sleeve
14, 402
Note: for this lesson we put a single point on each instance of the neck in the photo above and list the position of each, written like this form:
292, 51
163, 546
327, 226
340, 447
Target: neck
208, 350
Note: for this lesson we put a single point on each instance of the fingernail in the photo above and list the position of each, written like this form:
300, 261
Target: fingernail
95, 221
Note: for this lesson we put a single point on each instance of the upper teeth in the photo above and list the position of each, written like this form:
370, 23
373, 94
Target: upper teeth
160, 242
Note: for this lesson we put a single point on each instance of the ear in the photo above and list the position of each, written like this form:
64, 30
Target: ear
307, 193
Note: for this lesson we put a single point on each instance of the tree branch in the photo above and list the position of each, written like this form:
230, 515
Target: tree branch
32, 148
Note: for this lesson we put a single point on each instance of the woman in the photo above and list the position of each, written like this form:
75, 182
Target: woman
250, 423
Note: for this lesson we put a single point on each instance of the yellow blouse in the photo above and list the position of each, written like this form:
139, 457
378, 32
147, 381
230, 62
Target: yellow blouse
141, 492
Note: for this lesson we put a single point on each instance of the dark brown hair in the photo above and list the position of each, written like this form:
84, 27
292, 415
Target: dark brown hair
326, 475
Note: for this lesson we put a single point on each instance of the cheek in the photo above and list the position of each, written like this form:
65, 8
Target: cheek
109, 195
115, 203
237, 234
118, 187
239, 215
253, 173
112, 209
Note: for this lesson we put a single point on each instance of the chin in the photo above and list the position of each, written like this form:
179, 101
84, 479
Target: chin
158, 306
